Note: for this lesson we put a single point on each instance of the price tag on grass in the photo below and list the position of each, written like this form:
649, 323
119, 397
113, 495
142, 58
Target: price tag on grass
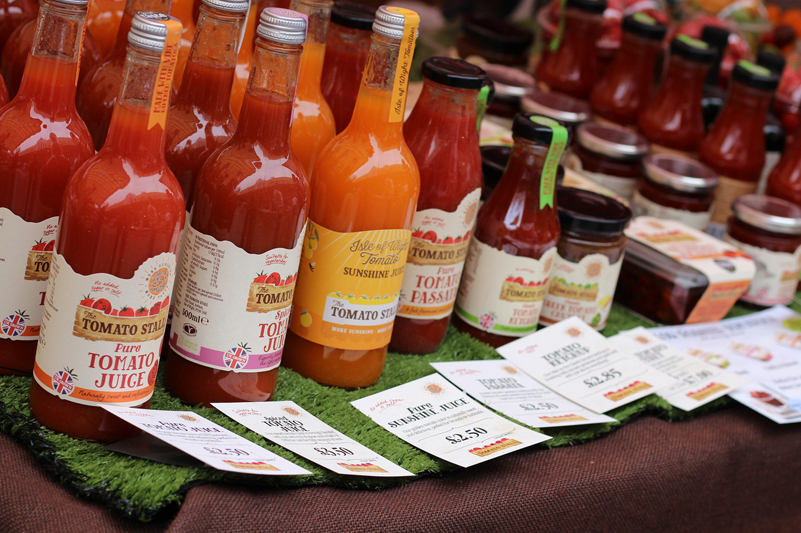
433, 415
292, 427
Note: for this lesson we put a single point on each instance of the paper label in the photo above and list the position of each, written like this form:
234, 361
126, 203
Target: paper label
769, 403
584, 289
574, 360
208, 442
160, 101
726, 192
640, 205
506, 389
621, 186
349, 285
232, 307
503, 293
728, 270
101, 335
551, 165
411, 23
292, 427
26, 249
776, 275
441, 420
436, 259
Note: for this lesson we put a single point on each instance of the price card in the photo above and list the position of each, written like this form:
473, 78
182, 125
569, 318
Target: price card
698, 383
433, 415
289, 425
579, 363
767, 402
207, 441
504, 387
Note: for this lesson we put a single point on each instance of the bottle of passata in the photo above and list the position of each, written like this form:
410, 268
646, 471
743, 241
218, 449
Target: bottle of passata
248, 220
443, 137
346, 54
244, 61
115, 259
42, 142
628, 84
98, 91
200, 119
104, 22
735, 145
514, 246
313, 124
673, 122
364, 191
182, 10
568, 63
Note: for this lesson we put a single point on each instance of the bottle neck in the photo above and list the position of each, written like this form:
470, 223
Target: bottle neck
522, 179
131, 8
581, 30
746, 106
311, 66
446, 111
637, 52
684, 80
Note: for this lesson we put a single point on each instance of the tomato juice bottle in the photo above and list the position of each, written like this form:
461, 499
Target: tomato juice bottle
364, 192
115, 258
244, 61
443, 138
514, 246
42, 142
182, 10
247, 224
98, 91
346, 51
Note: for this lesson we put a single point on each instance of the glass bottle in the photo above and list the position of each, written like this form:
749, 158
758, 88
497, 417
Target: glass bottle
775, 136
714, 95
784, 181
42, 142
244, 61
14, 13
248, 218
104, 23
113, 269
182, 10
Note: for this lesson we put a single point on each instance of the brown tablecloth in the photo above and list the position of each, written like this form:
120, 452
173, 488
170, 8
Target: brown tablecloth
728, 471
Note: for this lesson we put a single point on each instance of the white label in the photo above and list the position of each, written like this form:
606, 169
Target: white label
438, 418
503, 293
101, 335
579, 363
232, 307
208, 442
436, 258
26, 249
622, 186
584, 289
640, 205
292, 427
769, 403
506, 389
776, 275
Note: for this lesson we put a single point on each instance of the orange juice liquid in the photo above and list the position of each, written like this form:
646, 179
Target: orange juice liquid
244, 63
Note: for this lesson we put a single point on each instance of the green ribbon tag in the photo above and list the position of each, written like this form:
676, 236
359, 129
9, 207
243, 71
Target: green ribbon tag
553, 46
558, 144
482, 105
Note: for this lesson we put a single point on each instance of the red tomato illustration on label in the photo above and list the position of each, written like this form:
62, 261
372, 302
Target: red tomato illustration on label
151, 376
417, 234
510, 279
142, 311
87, 302
39, 246
520, 281
274, 279
155, 309
126, 311
103, 305
113, 312
50, 246
166, 303
430, 236
447, 240
261, 278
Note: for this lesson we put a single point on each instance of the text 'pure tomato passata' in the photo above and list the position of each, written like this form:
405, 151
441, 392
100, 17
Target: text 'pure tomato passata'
120, 228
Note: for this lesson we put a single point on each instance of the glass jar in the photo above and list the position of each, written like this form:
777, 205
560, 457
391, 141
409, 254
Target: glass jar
589, 255
568, 110
675, 187
496, 40
510, 86
494, 159
609, 155
769, 230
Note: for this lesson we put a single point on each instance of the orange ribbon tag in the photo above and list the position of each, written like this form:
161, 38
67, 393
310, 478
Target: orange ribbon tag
169, 57
402, 71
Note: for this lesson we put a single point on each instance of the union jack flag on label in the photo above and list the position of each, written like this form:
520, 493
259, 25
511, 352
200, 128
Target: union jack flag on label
63, 383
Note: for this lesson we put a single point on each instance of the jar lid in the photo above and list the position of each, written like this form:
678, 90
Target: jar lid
149, 30
282, 26
590, 6
497, 34
755, 76
453, 73
557, 106
509, 81
772, 61
534, 128
494, 159
644, 25
680, 173
388, 23
768, 213
612, 141
692, 49
587, 211
716, 37
353, 15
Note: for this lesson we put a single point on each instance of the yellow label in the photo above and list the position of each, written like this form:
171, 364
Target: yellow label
402, 70
169, 57
80, 47
348, 286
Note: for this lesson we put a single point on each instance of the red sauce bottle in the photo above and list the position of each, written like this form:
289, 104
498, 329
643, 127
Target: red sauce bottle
14, 13
98, 91
735, 145
114, 265
784, 181
628, 84
674, 121
568, 64
443, 138
248, 218
510, 258
42, 142
346, 54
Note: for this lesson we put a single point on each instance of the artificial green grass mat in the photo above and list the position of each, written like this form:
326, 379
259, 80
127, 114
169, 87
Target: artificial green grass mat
140, 489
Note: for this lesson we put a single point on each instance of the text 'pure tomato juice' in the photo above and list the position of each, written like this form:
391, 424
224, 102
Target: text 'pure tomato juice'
442, 135
42, 142
242, 247
115, 260
364, 191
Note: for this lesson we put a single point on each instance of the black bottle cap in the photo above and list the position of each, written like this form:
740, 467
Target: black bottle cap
755, 76
353, 15
772, 61
589, 212
590, 6
644, 25
497, 34
453, 73
692, 49
717, 38
535, 128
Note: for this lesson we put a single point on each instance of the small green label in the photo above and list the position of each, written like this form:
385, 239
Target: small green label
644, 18
558, 144
753, 68
482, 105
553, 46
695, 43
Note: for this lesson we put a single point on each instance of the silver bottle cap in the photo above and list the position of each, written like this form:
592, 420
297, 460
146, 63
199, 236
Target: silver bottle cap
282, 26
74, 2
388, 24
149, 31
234, 6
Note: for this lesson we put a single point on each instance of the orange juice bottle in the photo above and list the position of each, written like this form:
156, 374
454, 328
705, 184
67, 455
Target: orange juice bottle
104, 22
244, 62
364, 192
313, 124
182, 10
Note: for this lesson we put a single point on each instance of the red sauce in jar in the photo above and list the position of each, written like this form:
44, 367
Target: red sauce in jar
784, 181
